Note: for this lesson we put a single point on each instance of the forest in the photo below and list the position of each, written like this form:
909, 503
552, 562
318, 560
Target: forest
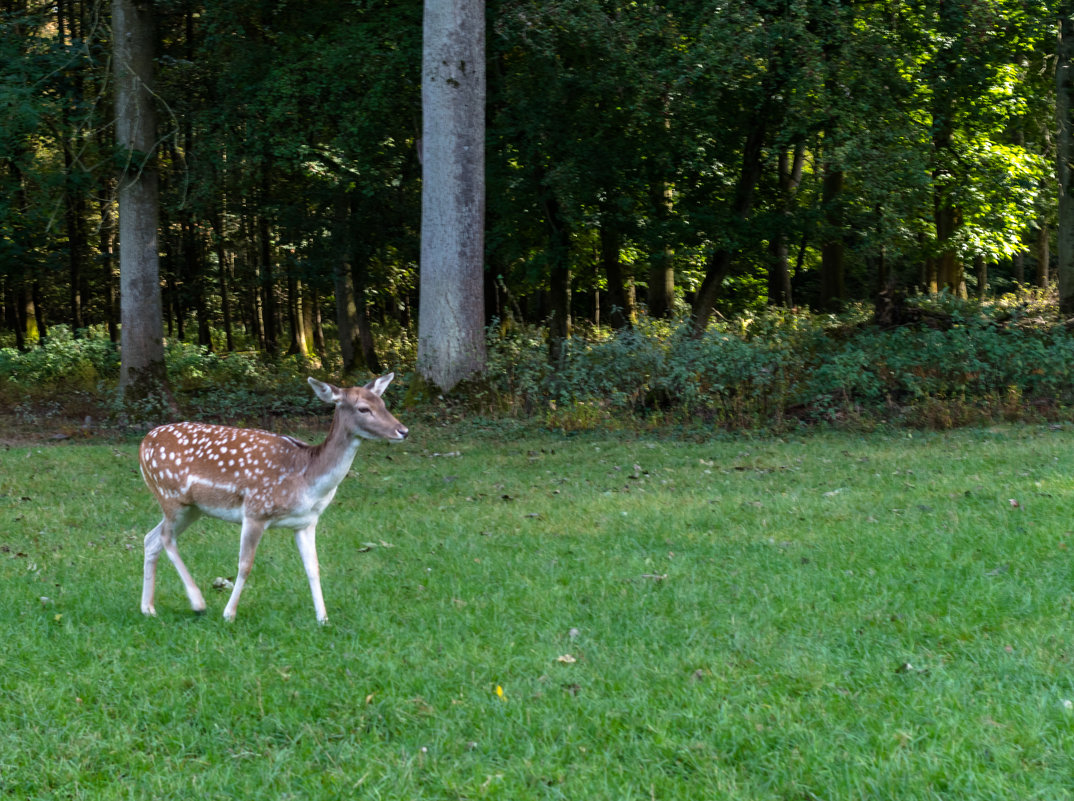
645, 161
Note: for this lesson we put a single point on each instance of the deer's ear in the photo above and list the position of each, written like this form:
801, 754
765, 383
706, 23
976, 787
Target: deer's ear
378, 385
326, 392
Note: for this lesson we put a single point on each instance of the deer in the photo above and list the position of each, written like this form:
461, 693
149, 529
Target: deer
258, 479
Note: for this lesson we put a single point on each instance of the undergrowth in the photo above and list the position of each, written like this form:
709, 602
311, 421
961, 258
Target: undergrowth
962, 362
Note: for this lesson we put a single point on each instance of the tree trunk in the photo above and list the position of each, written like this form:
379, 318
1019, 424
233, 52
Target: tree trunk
779, 273
1064, 96
225, 290
559, 284
949, 267
74, 201
142, 372
718, 264
318, 328
660, 296
451, 331
74, 216
365, 332
40, 316
1043, 255
832, 264
306, 304
621, 313
267, 288
346, 316
297, 344
947, 216
107, 249
661, 293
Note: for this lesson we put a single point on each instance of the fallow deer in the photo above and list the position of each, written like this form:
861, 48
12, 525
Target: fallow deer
256, 478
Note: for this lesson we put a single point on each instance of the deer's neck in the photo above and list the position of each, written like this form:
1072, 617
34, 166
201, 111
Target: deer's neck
331, 460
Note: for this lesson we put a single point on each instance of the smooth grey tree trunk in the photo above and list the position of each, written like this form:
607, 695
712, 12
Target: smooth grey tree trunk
1064, 103
142, 371
451, 335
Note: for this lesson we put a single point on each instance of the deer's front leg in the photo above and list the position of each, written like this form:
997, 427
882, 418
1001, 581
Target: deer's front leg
251, 536
306, 540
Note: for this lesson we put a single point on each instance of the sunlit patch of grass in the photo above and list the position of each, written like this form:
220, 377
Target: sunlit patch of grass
529, 615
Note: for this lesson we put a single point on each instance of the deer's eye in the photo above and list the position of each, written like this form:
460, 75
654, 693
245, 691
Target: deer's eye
364, 410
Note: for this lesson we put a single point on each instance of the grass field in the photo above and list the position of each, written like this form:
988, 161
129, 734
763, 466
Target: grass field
516, 614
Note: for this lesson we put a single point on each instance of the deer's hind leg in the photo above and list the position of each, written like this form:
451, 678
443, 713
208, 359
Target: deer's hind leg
153, 547
162, 538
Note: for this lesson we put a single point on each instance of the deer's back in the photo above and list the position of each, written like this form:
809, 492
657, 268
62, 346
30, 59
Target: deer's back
222, 470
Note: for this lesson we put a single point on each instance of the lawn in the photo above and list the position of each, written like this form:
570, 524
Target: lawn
519, 614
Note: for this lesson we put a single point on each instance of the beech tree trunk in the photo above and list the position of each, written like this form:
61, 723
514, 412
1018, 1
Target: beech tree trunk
451, 333
142, 371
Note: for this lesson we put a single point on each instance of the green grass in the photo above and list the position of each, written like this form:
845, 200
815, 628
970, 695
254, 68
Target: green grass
833, 616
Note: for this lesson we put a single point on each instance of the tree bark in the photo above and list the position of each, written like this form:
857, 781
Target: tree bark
142, 371
451, 332
1043, 256
346, 316
297, 344
267, 287
1064, 95
40, 315
74, 200
832, 264
661, 291
559, 284
225, 290
107, 248
621, 313
779, 273
360, 276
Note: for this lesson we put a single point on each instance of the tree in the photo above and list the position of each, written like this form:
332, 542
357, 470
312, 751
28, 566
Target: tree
142, 371
1064, 96
451, 336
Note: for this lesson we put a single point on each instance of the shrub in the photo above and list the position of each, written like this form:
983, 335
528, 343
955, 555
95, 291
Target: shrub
63, 362
771, 367
966, 361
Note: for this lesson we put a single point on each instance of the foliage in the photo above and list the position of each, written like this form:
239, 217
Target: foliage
621, 138
775, 368
778, 367
62, 361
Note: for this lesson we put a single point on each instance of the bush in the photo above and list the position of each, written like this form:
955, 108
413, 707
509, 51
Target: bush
965, 361
770, 368
63, 362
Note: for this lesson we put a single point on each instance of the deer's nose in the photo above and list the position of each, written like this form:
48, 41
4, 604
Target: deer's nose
402, 431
